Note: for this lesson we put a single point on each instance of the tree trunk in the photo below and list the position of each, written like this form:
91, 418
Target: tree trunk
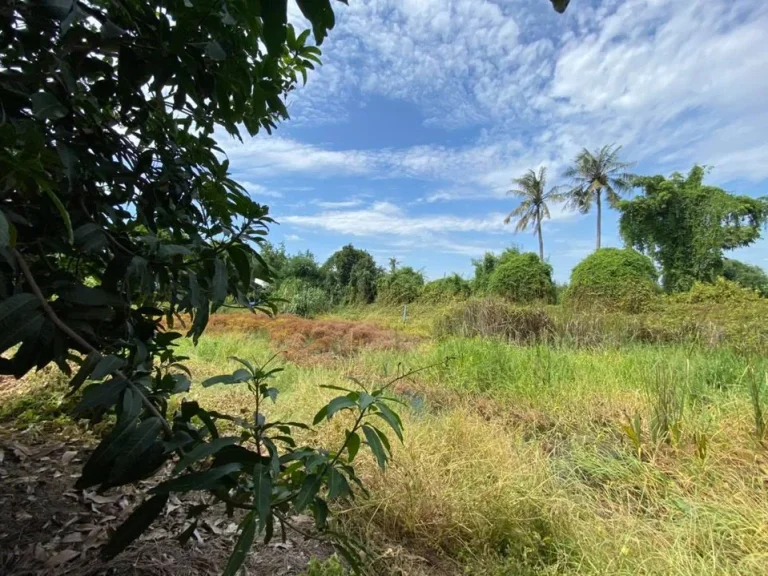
541, 241
599, 217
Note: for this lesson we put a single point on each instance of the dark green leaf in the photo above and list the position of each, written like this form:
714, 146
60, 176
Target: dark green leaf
340, 403
353, 445
220, 280
203, 451
107, 365
101, 395
262, 486
86, 368
308, 491
272, 394
5, 231
242, 546
221, 379
391, 418
135, 525
338, 487
214, 51
376, 446
197, 480
45, 106
240, 261
275, 17
134, 447
320, 15
63, 213
19, 319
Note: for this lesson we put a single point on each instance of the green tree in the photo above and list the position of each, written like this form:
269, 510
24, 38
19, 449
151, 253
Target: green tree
401, 286
613, 278
746, 275
522, 278
118, 216
594, 175
351, 276
532, 190
685, 226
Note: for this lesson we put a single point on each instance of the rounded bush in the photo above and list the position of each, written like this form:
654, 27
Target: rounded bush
523, 278
401, 286
614, 279
452, 287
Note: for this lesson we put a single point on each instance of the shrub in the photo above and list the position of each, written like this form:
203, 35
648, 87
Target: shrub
302, 298
452, 287
497, 318
400, 286
747, 275
522, 278
613, 279
721, 291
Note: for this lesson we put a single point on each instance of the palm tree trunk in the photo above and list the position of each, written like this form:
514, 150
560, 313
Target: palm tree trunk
541, 241
599, 218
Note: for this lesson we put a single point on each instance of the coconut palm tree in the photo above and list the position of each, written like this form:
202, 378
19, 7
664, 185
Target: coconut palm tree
594, 174
531, 188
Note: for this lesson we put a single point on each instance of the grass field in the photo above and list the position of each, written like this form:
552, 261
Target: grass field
546, 458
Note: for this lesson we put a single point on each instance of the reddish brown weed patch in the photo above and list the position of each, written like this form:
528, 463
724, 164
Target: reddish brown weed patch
309, 341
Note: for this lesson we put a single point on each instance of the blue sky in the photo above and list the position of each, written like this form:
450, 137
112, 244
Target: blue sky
405, 141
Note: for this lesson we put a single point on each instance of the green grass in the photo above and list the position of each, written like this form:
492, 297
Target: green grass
517, 459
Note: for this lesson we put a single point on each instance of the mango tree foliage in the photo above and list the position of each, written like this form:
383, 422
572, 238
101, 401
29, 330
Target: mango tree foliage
686, 226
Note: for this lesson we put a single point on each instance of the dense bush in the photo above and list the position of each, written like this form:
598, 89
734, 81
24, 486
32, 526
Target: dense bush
721, 291
400, 286
613, 279
522, 278
351, 276
496, 318
747, 275
303, 298
452, 287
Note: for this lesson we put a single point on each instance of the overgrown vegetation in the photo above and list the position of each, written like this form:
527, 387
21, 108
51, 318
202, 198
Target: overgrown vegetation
613, 279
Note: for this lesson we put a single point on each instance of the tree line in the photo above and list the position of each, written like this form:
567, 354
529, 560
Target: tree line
683, 225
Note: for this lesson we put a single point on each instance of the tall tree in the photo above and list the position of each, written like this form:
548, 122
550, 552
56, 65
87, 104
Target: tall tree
532, 189
594, 175
686, 226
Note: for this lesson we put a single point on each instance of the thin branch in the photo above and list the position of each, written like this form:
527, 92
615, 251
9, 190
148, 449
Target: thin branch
81, 341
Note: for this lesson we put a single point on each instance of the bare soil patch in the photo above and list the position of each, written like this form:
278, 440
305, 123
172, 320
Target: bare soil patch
48, 527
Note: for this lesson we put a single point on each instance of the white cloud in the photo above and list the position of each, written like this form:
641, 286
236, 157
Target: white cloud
338, 204
293, 237
258, 190
387, 219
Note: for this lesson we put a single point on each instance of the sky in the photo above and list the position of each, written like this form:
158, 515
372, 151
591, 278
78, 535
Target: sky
407, 139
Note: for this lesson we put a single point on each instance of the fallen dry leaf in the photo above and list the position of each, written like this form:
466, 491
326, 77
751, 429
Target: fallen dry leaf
21, 516
99, 499
40, 554
73, 538
67, 457
62, 558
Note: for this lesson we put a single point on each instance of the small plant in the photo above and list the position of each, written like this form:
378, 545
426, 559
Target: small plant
756, 392
261, 469
330, 567
667, 407
633, 429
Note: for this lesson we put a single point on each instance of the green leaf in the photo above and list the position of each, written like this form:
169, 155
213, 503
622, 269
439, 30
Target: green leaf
307, 493
220, 280
106, 366
272, 393
214, 51
62, 212
19, 318
101, 395
262, 486
136, 445
97, 468
203, 451
340, 403
376, 446
86, 368
197, 480
135, 525
320, 14
241, 375
240, 261
274, 14
353, 445
366, 400
391, 418
221, 379
5, 231
45, 106
243, 545
90, 238
338, 487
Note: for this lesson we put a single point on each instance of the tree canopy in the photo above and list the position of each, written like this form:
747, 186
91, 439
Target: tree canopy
686, 226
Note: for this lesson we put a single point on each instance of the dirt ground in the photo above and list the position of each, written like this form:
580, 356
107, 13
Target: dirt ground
313, 341
47, 527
